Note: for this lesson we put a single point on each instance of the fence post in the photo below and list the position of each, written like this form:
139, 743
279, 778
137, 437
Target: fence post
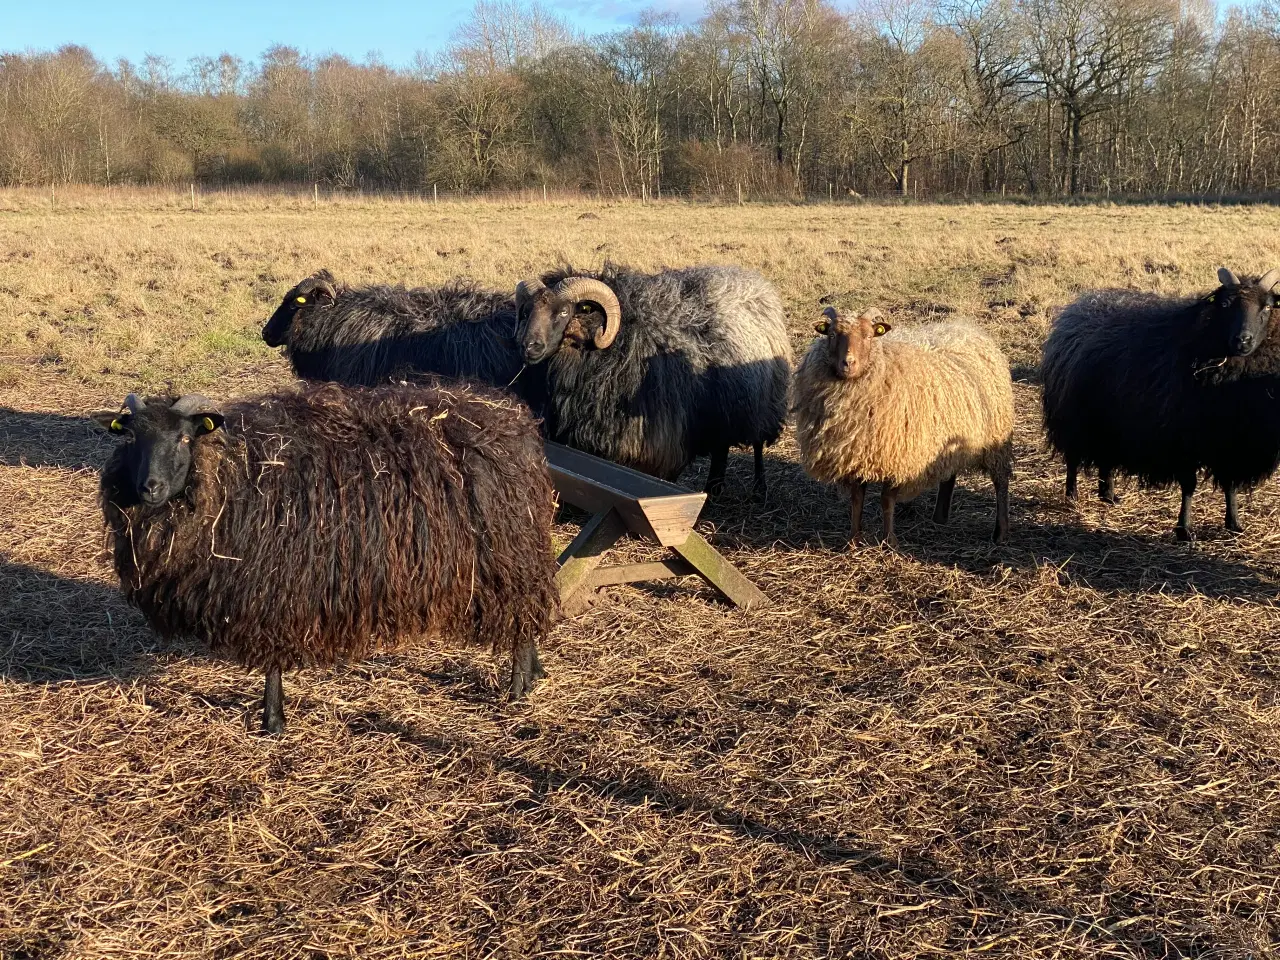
739, 193
315, 193
435, 196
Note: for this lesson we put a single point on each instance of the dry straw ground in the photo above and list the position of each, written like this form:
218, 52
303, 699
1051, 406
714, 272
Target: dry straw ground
1067, 746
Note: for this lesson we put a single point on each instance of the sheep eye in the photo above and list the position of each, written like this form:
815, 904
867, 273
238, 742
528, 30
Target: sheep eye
185, 440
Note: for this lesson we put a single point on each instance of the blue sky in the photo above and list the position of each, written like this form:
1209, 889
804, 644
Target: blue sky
245, 28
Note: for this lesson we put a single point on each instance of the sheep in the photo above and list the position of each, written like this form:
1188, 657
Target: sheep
1160, 388
366, 336
653, 370
909, 410
316, 526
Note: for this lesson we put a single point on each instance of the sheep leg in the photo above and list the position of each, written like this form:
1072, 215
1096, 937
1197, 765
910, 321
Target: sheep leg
1073, 469
526, 668
888, 498
1233, 521
760, 488
1183, 529
1107, 486
1001, 483
715, 476
273, 703
857, 491
942, 509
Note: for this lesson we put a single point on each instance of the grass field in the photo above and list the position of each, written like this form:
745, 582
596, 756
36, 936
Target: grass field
1065, 746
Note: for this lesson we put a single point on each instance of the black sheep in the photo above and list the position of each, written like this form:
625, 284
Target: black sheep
1129, 385
367, 336
321, 525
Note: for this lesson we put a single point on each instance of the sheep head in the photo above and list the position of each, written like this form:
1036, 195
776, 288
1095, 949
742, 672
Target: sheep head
551, 315
849, 340
319, 290
158, 435
1241, 310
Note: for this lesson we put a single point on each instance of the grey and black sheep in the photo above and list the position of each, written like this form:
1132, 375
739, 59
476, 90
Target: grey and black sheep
908, 409
1161, 388
654, 369
311, 527
367, 336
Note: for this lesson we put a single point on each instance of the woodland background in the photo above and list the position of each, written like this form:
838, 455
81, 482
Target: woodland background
774, 98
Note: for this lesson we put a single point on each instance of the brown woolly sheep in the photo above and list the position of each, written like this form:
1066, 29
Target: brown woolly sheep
311, 527
909, 410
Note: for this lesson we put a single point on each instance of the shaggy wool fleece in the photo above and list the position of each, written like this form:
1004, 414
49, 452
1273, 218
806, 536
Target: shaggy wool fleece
323, 524
936, 400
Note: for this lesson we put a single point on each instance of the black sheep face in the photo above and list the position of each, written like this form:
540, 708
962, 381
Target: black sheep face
317, 291
155, 457
543, 322
1242, 311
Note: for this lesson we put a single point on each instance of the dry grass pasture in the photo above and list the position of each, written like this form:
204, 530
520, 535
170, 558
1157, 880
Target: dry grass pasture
1065, 746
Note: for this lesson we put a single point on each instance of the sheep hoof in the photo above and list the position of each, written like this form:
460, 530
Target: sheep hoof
1184, 534
891, 542
1234, 528
760, 491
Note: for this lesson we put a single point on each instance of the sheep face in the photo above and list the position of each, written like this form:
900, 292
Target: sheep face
158, 439
1242, 310
317, 291
849, 340
575, 312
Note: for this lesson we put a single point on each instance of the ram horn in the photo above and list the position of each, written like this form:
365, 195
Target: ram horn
326, 287
1269, 279
192, 404
1227, 278
133, 403
578, 289
526, 290
832, 314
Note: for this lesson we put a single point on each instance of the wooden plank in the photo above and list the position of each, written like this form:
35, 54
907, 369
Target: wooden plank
582, 556
652, 508
634, 483
722, 574
638, 572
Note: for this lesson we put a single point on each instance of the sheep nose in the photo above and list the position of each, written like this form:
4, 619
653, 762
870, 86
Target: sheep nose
1244, 342
153, 490
533, 349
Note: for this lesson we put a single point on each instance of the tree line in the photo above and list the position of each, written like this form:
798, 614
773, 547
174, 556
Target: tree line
767, 98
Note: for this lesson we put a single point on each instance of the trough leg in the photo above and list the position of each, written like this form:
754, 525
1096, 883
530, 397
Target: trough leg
1233, 521
888, 499
1073, 470
1107, 486
1183, 529
760, 489
715, 475
942, 509
857, 491
526, 668
273, 703
1001, 483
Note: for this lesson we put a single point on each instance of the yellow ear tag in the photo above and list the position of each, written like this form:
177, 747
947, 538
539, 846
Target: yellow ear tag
881, 329
209, 424
117, 426
821, 326
302, 299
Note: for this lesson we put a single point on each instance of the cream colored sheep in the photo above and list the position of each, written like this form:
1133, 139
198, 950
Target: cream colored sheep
909, 411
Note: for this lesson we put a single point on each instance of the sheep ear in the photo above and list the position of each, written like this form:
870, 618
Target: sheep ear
882, 328
111, 421
1227, 278
207, 423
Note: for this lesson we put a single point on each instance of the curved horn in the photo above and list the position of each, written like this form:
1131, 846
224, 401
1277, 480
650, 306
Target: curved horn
1269, 280
191, 404
588, 288
133, 403
831, 313
327, 287
1227, 278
